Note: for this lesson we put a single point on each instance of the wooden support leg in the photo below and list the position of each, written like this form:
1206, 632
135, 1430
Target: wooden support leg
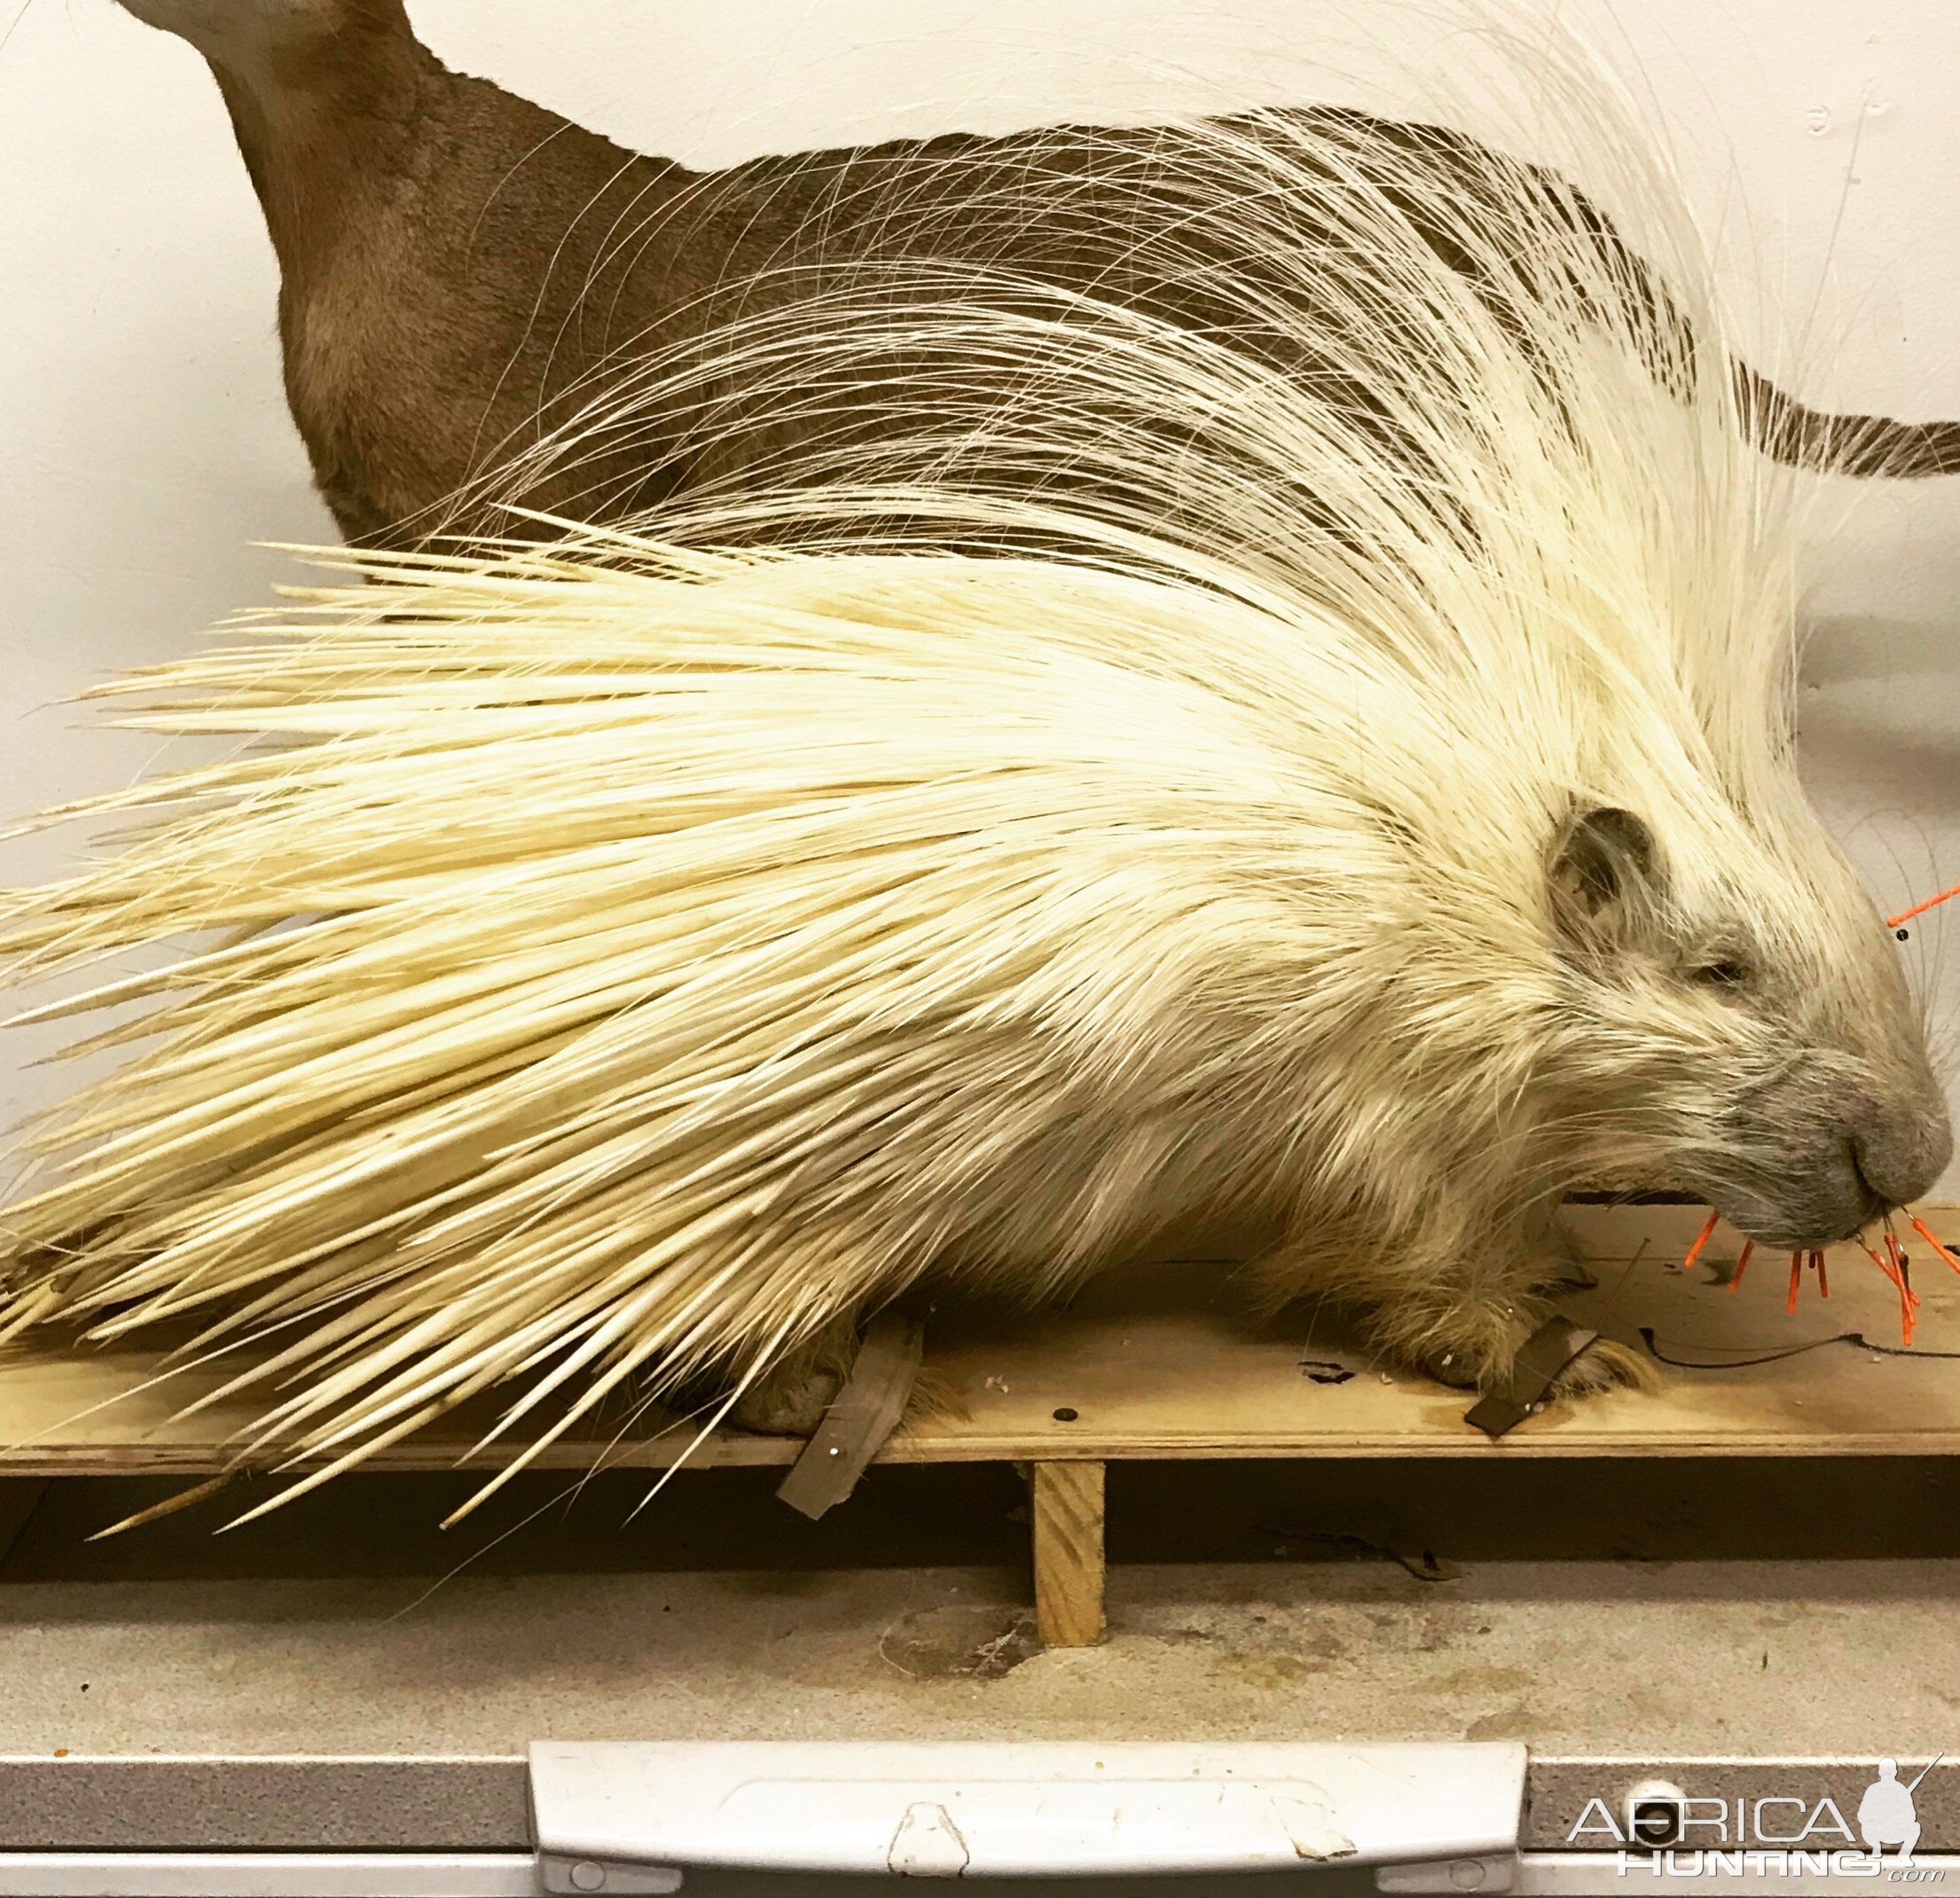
1067, 1511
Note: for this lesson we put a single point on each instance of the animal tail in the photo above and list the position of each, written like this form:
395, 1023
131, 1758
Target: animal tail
1865, 446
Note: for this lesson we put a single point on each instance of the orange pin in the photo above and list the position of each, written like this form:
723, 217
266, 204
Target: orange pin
1701, 1239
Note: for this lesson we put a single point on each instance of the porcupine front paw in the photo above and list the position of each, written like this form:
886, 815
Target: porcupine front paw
790, 1398
1604, 1365
1474, 1345
1466, 1343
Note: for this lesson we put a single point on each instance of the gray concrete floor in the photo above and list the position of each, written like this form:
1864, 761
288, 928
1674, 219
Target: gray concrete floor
1701, 1657
1796, 1608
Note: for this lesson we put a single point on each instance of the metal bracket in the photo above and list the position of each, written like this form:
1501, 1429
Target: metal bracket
1545, 1354
268, 1875
868, 1408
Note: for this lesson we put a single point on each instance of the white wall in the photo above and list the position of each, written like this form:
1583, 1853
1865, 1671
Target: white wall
143, 442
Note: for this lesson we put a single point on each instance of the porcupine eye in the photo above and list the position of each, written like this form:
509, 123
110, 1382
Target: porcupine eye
1724, 972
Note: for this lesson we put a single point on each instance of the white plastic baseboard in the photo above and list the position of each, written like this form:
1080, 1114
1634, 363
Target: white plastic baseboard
1018, 1809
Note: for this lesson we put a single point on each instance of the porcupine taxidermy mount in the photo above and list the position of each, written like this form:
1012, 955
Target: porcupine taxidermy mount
463, 271
644, 955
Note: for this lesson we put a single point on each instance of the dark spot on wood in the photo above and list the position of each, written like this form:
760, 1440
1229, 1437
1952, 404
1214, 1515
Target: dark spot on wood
1325, 1370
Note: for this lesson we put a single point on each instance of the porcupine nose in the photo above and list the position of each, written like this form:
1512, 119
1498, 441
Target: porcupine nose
1898, 1156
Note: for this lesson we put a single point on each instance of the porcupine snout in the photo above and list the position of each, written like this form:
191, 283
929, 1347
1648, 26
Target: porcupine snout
1900, 1150
1840, 1169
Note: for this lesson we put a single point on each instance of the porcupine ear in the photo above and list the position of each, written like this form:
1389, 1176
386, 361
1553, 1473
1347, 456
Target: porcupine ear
1605, 873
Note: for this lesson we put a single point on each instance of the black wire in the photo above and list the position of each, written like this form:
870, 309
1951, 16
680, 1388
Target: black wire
1776, 1357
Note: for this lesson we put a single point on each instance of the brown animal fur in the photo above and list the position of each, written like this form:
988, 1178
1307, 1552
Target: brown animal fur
462, 270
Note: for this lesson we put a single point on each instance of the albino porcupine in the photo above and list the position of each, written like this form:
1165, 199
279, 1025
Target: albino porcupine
1327, 767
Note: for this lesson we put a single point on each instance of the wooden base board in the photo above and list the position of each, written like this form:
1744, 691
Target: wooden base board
1162, 1362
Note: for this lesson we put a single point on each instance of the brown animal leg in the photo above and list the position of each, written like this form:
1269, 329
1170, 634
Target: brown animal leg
790, 1398
1469, 1336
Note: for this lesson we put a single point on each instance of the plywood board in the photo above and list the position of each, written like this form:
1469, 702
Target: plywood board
1163, 1362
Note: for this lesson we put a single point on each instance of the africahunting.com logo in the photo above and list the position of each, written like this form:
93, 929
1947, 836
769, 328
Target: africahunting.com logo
1661, 1832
